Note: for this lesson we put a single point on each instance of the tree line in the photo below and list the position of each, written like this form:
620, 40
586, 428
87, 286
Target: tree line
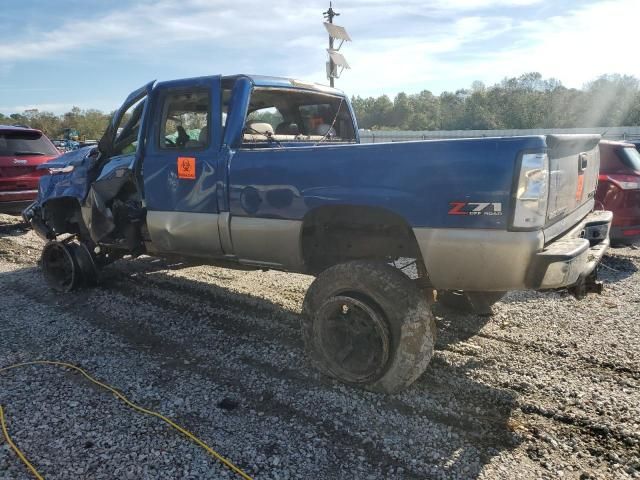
90, 123
524, 102
528, 101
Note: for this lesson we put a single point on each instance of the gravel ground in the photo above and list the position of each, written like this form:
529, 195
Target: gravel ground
546, 388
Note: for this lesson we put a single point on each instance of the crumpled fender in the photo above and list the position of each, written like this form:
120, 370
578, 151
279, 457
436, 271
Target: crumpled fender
74, 184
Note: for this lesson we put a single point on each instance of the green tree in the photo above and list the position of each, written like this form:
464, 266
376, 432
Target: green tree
47, 122
452, 110
402, 110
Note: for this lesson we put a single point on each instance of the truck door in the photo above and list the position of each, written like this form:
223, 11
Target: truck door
180, 168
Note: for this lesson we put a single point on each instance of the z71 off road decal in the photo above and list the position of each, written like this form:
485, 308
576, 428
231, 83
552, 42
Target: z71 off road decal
475, 208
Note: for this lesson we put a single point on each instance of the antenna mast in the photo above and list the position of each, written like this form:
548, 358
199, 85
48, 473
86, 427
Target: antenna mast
336, 59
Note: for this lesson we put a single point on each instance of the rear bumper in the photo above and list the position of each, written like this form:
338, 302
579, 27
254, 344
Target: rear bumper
498, 260
14, 202
626, 235
565, 261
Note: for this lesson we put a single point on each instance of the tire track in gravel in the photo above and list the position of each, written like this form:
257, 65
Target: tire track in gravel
584, 360
591, 423
211, 292
591, 427
233, 321
613, 435
163, 347
470, 428
469, 423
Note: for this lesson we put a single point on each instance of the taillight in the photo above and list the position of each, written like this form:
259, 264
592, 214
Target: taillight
622, 181
533, 188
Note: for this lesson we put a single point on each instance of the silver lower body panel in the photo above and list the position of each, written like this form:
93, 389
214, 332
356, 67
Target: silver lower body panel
263, 242
495, 260
269, 242
477, 260
184, 233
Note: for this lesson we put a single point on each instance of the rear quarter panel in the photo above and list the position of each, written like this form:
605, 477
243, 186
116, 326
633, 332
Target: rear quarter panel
417, 180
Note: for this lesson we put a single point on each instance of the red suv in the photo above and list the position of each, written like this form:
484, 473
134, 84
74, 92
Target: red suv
22, 149
619, 189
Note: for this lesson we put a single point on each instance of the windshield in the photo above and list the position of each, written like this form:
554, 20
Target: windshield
25, 143
631, 158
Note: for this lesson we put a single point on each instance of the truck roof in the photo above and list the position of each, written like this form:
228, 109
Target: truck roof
262, 81
267, 81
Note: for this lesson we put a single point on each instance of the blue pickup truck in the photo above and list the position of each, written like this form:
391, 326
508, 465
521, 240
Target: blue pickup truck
268, 173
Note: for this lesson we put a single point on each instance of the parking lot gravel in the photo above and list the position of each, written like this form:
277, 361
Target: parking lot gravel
548, 387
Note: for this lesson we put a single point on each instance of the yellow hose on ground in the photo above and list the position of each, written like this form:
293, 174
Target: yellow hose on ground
124, 399
16, 449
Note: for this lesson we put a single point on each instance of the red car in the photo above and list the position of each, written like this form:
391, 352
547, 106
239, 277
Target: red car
619, 189
22, 149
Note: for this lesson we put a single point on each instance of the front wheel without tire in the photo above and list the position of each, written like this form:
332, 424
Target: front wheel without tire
365, 323
68, 265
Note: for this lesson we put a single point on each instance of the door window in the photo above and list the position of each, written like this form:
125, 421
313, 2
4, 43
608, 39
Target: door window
185, 120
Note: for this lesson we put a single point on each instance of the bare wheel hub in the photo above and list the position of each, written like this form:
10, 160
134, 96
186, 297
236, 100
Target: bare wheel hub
354, 338
59, 266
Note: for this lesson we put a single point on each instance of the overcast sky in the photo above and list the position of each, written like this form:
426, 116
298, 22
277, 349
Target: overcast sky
92, 53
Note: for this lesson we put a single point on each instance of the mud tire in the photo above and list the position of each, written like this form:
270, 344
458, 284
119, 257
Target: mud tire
375, 312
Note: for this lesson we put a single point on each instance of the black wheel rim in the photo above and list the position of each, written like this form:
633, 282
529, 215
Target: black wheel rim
58, 267
353, 336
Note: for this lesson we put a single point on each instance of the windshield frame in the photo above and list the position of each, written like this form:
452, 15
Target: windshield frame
111, 138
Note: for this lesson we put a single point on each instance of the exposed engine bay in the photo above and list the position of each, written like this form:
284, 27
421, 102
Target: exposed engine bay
90, 205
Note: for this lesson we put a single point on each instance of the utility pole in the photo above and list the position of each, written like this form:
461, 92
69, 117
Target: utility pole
336, 59
329, 14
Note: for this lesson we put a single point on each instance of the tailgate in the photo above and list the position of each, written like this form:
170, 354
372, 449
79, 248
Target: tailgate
574, 164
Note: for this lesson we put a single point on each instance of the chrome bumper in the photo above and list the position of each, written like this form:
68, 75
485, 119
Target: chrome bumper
564, 262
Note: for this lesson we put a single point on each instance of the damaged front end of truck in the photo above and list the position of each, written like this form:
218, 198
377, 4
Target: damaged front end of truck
89, 207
